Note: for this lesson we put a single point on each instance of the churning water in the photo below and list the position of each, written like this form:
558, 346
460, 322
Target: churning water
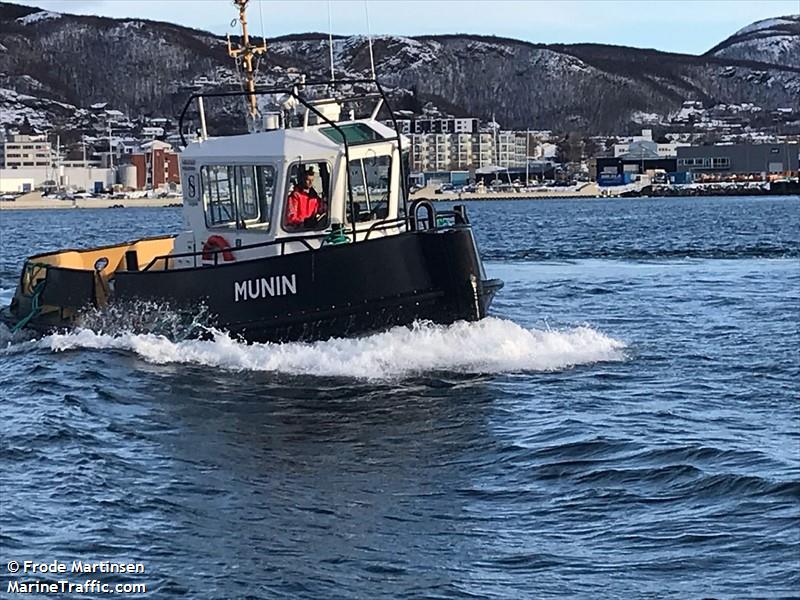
624, 425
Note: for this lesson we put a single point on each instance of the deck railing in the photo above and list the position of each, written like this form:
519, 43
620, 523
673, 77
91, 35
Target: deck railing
433, 221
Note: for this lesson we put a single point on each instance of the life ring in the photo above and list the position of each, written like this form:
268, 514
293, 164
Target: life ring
217, 242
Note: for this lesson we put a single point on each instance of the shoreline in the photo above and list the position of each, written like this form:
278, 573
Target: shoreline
35, 201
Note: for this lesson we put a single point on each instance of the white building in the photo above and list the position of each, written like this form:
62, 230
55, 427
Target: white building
665, 150
27, 151
11, 181
544, 150
26, 179
465, 151
152, 132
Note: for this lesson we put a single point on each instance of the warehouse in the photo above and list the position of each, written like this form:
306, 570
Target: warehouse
752, 161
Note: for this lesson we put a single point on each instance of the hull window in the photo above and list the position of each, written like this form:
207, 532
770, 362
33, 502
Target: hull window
369, 178
307, 205
239, 196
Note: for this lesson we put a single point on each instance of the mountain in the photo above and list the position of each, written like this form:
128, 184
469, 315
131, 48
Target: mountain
774, 41
54, 66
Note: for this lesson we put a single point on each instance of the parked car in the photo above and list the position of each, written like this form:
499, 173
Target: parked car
8, 198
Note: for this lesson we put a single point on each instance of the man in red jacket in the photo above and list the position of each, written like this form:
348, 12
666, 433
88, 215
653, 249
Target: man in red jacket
305, 208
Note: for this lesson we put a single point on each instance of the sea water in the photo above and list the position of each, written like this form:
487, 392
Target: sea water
625, 424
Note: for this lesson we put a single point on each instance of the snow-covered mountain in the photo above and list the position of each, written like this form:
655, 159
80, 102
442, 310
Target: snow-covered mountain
775, 41
50, 62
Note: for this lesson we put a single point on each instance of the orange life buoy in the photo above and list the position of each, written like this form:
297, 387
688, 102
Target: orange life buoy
217, 242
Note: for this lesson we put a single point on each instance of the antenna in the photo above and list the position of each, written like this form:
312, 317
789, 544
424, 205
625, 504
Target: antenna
246, 52
261, 14
330, 39
369, 38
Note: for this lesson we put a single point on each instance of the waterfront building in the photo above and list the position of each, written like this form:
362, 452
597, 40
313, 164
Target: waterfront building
616, 170
77, 178
512, 149
444, 146
156, 165
441, 152
27, 151
31, 163
726, 161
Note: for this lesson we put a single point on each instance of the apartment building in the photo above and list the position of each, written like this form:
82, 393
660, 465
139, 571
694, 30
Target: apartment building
436, 125
465, 151
27, 151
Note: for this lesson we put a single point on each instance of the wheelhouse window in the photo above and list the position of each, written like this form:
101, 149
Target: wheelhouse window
238, 196
307, 206
370, 178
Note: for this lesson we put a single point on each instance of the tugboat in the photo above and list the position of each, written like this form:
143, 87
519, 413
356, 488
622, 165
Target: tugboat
300, 229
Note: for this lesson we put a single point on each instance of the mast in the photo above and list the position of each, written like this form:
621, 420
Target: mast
246, 52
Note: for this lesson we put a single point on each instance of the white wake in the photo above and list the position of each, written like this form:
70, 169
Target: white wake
492, 345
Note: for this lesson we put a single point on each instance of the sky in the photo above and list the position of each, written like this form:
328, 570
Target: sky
688, 26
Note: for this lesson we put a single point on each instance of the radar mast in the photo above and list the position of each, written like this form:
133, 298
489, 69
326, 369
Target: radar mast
245, 54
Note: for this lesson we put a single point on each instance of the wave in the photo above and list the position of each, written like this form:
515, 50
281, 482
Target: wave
492, 345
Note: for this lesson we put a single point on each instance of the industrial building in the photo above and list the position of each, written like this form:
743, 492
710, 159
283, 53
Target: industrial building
30, 163
27, 179
643, 158
757, 161
156, 165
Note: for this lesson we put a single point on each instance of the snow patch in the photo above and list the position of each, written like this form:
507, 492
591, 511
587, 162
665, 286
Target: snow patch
769, 24
646, 117
16, 107
42, 15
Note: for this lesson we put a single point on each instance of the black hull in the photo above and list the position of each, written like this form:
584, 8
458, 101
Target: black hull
337, 291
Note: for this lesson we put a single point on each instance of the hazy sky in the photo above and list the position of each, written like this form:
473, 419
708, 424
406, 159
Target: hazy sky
691, 26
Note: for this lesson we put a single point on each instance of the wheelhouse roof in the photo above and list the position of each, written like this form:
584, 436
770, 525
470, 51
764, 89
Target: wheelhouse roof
311, 142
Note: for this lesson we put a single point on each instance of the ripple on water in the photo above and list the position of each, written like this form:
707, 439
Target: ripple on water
626, 422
